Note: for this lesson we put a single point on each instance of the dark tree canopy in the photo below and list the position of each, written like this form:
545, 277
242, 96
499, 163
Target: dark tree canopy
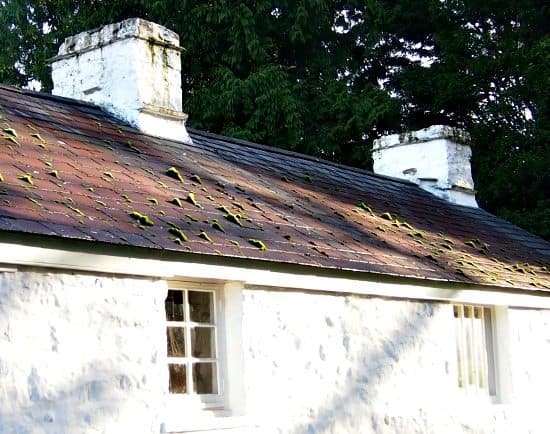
328, 77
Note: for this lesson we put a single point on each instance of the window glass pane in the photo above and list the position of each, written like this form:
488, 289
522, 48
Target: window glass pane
178, 378
204, 378
200, 306
475, 359
202, 342
174, 305
175, 337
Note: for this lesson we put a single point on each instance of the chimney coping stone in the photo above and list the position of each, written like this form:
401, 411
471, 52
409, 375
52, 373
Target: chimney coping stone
434, 132
130, 28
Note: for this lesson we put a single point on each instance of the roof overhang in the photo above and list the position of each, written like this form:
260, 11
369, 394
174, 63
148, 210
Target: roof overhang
81, 256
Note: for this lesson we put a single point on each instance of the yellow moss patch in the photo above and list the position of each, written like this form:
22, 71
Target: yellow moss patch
38, 137
11, 139
27, 178
176, 201
196, 178
365, 207
10, 131
76, 210
233, 218
35, 202
258, 243
205, 236
54, 173
172, 172
216, 225
141, 218
180, 235
191, 199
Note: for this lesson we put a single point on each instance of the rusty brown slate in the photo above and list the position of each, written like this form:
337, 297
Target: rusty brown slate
69, 170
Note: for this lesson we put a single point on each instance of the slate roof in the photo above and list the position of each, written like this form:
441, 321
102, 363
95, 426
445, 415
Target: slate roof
69, 170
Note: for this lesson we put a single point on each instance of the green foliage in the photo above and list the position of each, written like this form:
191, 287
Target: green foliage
328, 77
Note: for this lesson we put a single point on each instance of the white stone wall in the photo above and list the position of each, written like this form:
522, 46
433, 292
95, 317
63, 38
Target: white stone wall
80, 354
530, 359
349, 364
87, 354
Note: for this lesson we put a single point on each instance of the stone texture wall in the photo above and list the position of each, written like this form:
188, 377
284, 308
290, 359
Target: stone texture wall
87, 354
348, 364
80, 354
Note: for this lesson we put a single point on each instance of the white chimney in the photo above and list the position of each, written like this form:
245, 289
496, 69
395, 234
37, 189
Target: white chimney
132, 69
436, 158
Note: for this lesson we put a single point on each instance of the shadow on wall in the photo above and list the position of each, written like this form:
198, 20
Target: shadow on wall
354, 364
74, 358
361, 407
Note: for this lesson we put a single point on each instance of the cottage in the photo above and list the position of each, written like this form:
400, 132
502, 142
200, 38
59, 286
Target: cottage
155, 278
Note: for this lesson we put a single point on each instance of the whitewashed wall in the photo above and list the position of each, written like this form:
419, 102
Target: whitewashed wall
80, 354
87, 354
348, 364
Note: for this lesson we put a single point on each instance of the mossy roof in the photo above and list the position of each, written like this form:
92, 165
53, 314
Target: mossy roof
68, 170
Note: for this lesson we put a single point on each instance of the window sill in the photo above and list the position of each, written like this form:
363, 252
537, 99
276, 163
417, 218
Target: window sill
210, 422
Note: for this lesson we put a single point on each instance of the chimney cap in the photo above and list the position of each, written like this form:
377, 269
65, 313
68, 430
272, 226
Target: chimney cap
434, 132
130, 28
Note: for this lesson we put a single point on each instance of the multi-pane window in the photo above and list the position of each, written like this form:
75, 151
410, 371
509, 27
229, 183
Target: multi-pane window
191, 339
475, 349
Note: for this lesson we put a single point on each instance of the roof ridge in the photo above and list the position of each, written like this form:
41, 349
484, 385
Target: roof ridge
295, 154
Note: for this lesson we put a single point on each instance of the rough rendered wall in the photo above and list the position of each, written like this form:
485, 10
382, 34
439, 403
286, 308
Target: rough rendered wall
530, 361
80, 354
347, 364
86, 354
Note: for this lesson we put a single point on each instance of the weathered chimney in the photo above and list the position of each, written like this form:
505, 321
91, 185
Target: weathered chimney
436, 158
131, 69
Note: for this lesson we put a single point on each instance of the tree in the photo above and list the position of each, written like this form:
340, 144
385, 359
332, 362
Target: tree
328, 77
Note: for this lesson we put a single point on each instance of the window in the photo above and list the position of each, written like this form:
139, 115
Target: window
475, 349
191, 332
204, 356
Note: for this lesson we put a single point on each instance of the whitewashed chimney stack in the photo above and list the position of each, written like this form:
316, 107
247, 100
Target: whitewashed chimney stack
436, 158
132, 69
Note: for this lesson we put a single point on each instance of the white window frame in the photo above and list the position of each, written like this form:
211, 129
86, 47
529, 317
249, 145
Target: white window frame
191, 399
495, 338
226, 409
